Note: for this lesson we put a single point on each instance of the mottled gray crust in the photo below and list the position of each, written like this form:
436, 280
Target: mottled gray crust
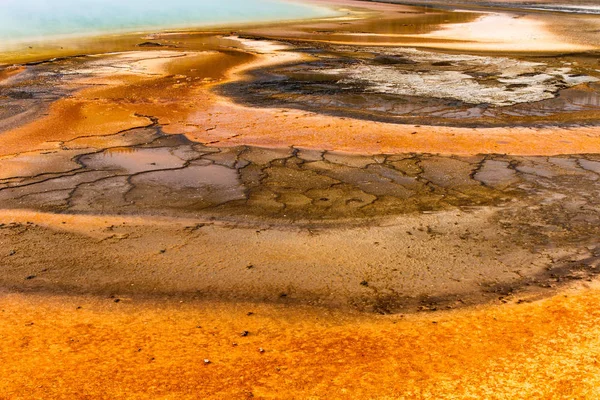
406, 85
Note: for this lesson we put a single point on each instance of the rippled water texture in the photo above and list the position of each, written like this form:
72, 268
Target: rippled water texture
38, 19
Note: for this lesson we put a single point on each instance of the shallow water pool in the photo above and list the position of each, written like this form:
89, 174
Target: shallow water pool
23, 20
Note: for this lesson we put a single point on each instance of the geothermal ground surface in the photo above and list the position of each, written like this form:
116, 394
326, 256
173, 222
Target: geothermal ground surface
396, 202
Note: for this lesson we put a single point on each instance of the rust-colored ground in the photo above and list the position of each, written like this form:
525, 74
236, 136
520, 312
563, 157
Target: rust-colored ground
52, 348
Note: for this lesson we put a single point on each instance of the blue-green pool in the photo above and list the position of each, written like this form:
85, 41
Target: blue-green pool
22, 20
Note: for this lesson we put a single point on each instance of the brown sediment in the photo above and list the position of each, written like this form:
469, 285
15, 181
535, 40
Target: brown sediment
422, 230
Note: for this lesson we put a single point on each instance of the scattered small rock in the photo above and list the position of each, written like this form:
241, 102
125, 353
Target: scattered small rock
150, 44
244, 333
206, 361
393, 60
250, 313
12, 253
364, 283
261, 350
117, 300
30, 277
194, 227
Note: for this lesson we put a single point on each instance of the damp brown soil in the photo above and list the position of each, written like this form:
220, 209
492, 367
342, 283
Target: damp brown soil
380, 233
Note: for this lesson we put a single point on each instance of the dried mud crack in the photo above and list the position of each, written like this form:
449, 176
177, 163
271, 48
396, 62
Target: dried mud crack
377, 177
379, 233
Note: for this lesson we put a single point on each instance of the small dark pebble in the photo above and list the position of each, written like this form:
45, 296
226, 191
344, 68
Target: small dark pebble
282, 295
163, 251
12, 253
150, 44
442, 64
244, 333
117, 300
364, 283
30, 277
249, 266
250, 313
